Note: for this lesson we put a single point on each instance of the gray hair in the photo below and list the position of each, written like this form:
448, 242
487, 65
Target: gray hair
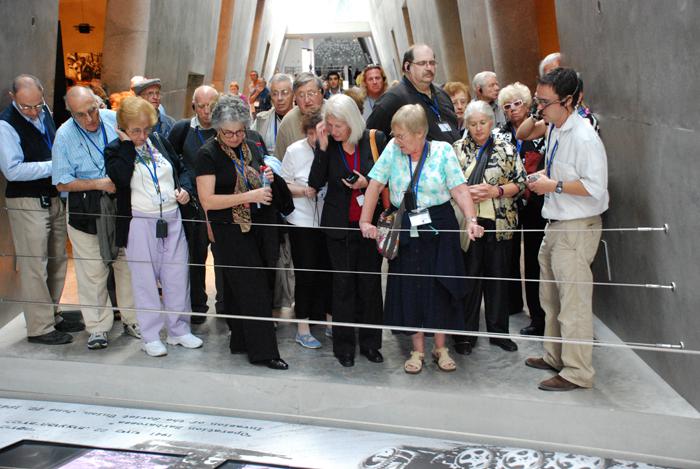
281, 77
412, 118
479, 80
304, 78
343, 107
230, 109
479, 107
553, 57
24, 80
79, 91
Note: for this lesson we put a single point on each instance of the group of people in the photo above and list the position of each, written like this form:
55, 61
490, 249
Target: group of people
310, 176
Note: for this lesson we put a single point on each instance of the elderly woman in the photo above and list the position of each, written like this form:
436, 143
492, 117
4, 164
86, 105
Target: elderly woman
342, 160
425, 301
312, 290
515, 100
496, 177
235, 90
238, 198
151, 185
459, 94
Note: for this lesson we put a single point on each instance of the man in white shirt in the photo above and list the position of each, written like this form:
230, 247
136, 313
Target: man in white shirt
574, 182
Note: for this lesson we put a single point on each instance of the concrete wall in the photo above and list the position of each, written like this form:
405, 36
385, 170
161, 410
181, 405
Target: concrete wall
239, 49
386, 18
643, 83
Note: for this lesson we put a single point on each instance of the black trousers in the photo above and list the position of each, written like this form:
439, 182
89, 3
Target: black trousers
487, 257
531, 217
515, 289
312, 290
356, 298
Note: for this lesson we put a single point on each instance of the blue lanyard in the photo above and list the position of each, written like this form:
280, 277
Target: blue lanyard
154, 173
355, 158
419, 167
241, 169
484, 147
199, 135
87, 137
47, 139
432, 105
275, 127
518, 143
553, 152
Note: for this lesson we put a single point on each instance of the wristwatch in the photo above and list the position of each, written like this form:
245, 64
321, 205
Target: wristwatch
472, 219
560, 187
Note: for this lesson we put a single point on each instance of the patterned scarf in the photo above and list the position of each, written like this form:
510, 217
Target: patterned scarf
241, 213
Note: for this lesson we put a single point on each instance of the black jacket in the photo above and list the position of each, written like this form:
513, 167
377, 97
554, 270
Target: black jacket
328, 167
405, 93
120, 158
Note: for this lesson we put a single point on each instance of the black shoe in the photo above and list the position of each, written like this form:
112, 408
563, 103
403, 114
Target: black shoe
346, 360
372, 355
197, 319
463, 348
69, 326
506, 344
52, 338
274, 364
532, 330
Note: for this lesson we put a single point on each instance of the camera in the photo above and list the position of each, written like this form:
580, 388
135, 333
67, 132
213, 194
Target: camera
351, 178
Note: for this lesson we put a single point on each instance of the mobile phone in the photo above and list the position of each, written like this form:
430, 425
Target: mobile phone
45, 201
533, 177
351, 178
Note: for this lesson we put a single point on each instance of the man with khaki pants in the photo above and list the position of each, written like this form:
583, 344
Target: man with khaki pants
574, 182
79, 169
35, 212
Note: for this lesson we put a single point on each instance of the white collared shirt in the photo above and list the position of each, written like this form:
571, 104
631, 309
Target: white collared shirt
580, 155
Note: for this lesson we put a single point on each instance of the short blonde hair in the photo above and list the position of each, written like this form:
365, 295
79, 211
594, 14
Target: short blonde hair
514, 92
454, 87
343, 107
134, 107
412, 118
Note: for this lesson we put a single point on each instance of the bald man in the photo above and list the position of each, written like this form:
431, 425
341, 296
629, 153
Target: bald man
36, 214
186, 136
79, 169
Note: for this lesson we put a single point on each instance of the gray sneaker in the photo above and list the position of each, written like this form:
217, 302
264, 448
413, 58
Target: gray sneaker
133, 330
97, 341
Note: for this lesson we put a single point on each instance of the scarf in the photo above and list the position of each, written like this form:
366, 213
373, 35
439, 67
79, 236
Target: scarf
248, 180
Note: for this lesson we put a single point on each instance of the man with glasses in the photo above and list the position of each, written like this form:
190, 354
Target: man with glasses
574, 183
187, 136
79, 169
417, 87
35, 212
149, 89
486, 88
373, 85
308, 94
267, 123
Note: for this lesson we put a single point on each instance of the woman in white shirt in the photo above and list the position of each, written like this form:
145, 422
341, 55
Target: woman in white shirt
312, 290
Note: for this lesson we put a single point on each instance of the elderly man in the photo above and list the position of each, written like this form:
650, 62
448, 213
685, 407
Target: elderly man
486, 88
268, 122
187, 136
549, 63
149, 89
36, 214
373, 85
79, 169
417, 87
308, 93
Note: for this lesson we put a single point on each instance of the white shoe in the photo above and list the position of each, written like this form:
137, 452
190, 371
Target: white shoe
187, 341
155, 348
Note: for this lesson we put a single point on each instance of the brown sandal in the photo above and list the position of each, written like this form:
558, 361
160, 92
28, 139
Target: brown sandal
441, 356
414, 365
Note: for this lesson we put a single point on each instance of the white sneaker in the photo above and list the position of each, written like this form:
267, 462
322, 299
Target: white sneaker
155, 348
187, 341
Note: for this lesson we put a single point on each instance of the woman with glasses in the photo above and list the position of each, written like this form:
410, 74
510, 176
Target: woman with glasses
342, 159
459, 94
434, 298
239, 195
152, 184
515, 100
496, 177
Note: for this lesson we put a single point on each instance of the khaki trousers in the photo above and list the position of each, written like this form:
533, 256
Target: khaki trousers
91, 273
41, 234
567, 257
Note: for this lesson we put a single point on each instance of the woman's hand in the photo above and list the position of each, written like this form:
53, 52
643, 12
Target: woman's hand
361, 182
260, 196
474, 230
368, 230
269, 175
322, 135
122, 135
309, 192
182, 196
481, 192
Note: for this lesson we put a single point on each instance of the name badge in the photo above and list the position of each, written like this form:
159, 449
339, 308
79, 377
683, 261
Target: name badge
360, 200
444, 126
419, 217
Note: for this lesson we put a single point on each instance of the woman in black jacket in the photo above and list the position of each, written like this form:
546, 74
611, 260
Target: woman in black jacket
240, 196
342, 160
151, 185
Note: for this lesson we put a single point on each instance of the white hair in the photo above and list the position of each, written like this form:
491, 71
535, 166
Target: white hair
343, 107
480, 79
479, 107
554, 56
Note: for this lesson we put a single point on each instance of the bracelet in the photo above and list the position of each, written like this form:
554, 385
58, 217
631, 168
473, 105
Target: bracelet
500, 191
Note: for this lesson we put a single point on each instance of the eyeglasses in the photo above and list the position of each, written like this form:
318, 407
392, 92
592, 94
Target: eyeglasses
26, 107
280, 94
424, 63
545, 102
513, 105
203, 106
83, 115
308, 94
372, 67
138, 131
232, 133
